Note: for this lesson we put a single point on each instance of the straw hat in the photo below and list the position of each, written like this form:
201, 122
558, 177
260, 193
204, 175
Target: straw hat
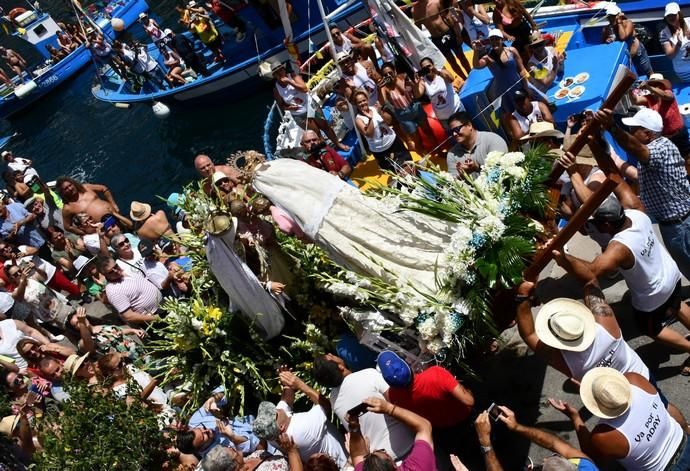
139, 211
535, 38
218, 176
220, 223
585, 156
541, 129
659, 78
605, 392
73, 362
566, 324
8, 424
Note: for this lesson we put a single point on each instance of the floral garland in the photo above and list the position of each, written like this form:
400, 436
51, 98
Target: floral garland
495, 235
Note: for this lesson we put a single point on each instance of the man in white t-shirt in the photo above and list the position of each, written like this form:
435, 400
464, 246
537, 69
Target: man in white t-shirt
349, 390
12, 331
311, 431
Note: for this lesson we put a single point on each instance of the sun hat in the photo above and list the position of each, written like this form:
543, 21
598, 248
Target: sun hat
139, 211
565, 324
342, 56
8, 424
218, 176
542, 129
645, 118
496, 33
605, 392
73, 362
175, 199
276, 65
265, 425
142, 15
535, 38
610, 210
29, 202
81, 263
6, 302
659, 78
395, 371
613, 10
672, 8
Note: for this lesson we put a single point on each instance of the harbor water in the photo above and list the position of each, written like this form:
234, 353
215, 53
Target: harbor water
137, 155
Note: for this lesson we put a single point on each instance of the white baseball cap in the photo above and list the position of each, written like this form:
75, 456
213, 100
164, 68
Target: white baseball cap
613, 10
167, 32
671, 9
645, 118
496, 33
142, 15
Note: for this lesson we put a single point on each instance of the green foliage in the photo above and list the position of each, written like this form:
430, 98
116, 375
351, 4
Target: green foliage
96, 431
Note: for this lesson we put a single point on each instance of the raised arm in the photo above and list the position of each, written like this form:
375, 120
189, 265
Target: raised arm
482, 426
420, 425
31, 332
289, 379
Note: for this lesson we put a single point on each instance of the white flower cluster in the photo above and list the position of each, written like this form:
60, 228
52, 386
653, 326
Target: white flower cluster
508, 163
492, 226
459, 255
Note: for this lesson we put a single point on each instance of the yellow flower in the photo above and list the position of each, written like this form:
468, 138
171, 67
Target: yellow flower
197, 309
207, 328
215, 313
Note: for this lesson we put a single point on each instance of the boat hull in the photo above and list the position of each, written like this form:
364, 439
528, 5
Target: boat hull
235, 80
70, 65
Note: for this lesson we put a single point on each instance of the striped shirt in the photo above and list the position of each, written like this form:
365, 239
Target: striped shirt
133, 292
664, 188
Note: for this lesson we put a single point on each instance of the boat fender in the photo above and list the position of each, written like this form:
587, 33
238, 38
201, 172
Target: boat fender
118, 24
24, 89
160, 110
685, 113
123, 106
265, 71
15, 12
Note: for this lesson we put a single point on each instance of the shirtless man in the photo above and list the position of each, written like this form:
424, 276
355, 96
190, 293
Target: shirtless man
16, 62
78, 197
446, 31
147, 225
207, 168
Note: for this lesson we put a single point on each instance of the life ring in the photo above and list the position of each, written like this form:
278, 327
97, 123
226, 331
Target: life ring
15, 12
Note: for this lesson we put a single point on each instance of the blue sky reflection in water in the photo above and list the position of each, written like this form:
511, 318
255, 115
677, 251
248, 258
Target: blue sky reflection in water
136, 154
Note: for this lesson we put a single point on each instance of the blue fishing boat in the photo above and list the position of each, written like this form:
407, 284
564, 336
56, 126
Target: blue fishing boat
265, 35
39, 29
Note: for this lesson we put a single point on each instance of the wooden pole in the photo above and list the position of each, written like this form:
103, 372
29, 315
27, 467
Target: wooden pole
604, 162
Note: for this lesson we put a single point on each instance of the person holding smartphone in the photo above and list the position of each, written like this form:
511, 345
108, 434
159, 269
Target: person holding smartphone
420, 458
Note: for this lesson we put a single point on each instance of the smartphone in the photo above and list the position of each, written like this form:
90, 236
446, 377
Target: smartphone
494, 412
358, 410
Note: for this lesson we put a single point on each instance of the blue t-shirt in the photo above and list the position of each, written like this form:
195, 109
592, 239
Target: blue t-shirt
27, 234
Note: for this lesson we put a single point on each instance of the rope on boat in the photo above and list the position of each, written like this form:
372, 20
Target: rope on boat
268, 124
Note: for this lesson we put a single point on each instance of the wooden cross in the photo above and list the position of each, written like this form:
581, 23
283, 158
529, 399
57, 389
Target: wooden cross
587, 209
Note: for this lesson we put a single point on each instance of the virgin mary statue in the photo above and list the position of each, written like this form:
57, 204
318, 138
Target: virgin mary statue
357, 231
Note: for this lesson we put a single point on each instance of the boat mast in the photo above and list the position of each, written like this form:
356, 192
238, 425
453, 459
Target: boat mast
331, 46
287, 28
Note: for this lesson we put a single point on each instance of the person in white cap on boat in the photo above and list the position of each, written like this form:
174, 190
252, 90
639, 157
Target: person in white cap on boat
675, 40
622, 29
633, 429
664, 187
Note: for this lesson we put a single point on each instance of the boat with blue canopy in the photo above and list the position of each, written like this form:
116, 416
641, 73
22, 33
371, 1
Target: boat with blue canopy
39, 30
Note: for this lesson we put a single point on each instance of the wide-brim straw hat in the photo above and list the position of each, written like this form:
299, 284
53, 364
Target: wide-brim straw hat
73, 362
8, 424
566, 324
585, 156
139, 211
605, 392
542, 129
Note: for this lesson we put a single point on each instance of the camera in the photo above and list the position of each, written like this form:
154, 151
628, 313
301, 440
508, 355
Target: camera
425, 70
317, 149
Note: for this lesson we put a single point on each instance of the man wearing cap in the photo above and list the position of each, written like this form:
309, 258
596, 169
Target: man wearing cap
633, 428
622, 29
155, 271
664, 187
135, 298
434, 393
311, 431
323, 156
527, 112
656, 93
544, 63
16, 163
348, 390
147, 225
471, 146
649, 271
206, 168
355, 75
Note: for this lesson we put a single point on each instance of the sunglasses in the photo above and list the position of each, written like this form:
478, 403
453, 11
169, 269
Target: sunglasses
457, 129
123, 243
